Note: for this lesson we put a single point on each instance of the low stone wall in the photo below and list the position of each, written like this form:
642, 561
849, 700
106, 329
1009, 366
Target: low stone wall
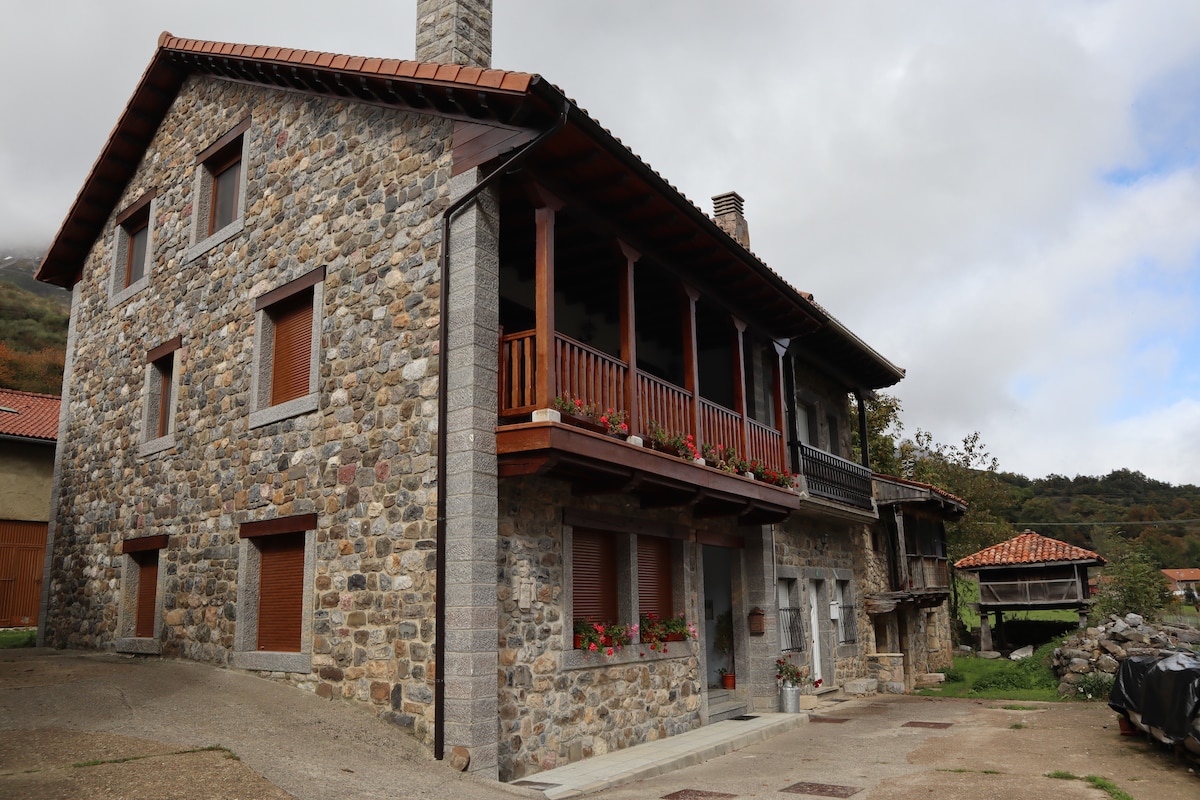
1101, 649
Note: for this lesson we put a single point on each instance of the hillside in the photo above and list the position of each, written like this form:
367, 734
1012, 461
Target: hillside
33, 326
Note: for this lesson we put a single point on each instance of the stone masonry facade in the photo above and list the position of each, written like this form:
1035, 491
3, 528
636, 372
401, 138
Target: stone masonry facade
356, 190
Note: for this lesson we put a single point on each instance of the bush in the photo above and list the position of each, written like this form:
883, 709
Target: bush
1094, 686
1131, 584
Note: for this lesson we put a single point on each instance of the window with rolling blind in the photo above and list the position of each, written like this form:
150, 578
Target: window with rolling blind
166, 374
287, 348
226, 169
593, 577
161, 387
280, 592
147, 593
655, 591
291, 354
133, 236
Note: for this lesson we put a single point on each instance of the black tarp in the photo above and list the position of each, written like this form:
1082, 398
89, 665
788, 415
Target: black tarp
1171, 696
1126, 694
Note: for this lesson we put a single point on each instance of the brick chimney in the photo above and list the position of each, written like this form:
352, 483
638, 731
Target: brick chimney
455, 32
727, 211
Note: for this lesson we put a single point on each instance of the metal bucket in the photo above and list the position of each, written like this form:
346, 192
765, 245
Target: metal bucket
789, 699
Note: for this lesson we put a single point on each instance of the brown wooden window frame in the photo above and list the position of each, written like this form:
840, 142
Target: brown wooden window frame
131, 271
226, 154
285, 372
275, 581
141, 594
161, 396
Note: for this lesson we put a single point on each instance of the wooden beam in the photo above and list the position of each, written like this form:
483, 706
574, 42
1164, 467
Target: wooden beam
629, 335
547, 383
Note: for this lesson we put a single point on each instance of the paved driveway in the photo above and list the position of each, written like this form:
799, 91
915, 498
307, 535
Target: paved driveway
141, 725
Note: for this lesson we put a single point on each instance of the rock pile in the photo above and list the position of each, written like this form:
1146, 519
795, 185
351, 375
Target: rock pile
1101, 649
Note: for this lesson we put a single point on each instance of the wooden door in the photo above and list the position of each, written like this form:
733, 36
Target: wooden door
22, 555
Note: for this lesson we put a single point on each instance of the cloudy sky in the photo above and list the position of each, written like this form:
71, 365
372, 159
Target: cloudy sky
1001, 197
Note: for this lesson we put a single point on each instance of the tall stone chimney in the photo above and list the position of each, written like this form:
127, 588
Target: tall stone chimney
455, 32
727, 211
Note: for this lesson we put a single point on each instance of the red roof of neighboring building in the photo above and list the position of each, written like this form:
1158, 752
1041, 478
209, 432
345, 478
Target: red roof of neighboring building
1182, 574
1028, 548
35, 417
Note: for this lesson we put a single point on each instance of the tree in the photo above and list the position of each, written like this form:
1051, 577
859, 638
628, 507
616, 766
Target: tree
1131, 583
883, 427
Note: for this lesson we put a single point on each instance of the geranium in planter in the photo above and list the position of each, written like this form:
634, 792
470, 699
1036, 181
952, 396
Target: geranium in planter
595, 637
656, 631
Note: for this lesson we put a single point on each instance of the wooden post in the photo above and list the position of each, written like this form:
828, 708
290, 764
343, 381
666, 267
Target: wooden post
1000, 637
985, 631
547, 384
691, 363
739, 382
629, 338
902, 551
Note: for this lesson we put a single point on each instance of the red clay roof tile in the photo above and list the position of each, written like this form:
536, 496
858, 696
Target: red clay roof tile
1182, 574
35, 417
1028, 548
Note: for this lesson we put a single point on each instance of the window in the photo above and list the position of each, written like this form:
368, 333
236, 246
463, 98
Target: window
594, 577
140, 609
274, 600
220, 195
841, 612
618, 573
654, 585
287, 350
162, 387
791, 615
132, 250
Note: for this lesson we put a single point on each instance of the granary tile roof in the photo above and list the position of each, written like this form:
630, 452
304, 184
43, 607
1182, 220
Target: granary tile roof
1028, 548
28, 415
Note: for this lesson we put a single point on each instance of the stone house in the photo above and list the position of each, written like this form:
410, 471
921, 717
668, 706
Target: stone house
28, 430
330, 317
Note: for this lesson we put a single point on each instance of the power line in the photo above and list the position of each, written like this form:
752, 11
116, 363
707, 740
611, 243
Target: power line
1119, 522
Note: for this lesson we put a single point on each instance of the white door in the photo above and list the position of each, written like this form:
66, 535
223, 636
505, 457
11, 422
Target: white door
815, 587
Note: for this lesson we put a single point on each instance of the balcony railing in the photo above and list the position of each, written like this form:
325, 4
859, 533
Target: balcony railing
835, 478
601, 380
1065, 590
928, 572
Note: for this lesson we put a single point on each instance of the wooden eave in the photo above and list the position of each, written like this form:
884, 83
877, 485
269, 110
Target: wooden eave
887, 602
596, 464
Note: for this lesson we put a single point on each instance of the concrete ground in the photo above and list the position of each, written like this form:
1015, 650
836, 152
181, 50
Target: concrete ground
80, 724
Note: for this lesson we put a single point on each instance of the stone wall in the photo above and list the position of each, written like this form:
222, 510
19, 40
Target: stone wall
556, 705
351, 188
827, 549
1101, 648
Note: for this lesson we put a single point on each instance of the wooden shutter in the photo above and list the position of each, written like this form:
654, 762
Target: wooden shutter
280, 591
292, 353
147, 593
593, 577
654, 576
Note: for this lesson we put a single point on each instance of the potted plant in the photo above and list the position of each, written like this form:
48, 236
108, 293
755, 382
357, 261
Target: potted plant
656, 631
795, 686
728, 679
592, 637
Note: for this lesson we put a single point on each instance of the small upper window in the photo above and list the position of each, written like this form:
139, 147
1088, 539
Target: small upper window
226, 170
287, 349
220, 194
132, 249
162, 387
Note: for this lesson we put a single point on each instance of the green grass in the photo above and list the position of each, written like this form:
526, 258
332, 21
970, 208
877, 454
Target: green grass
18, 637
1001, 679
1103, 784
1012, 707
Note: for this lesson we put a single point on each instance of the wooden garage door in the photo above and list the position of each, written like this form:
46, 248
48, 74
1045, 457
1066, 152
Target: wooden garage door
22, 555
280, 591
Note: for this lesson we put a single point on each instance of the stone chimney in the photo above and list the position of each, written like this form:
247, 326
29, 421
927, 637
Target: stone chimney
727, 211
455, 32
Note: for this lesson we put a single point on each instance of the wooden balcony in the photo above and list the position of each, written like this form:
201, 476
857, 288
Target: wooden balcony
928, 572
1064, 592
603, 381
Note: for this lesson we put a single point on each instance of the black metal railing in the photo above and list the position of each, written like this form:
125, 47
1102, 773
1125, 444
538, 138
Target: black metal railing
835, 478
791, 629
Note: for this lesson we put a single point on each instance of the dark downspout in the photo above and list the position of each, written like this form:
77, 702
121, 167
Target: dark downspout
439, 606
862, 428
789, 402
